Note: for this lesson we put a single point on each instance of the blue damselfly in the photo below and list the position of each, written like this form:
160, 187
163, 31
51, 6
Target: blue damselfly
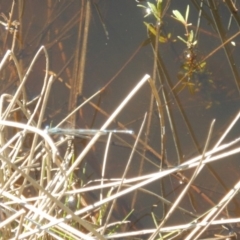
84, 132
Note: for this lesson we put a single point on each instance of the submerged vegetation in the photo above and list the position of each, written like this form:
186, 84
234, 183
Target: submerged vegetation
80, 164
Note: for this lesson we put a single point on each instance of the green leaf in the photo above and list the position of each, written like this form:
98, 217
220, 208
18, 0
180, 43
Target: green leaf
140, 5
147, 13
150, 28
159, 7
190, 37
202, 65
179, 17
151, 6
194, 43
163, 39
182, 39
187, 14
154, 10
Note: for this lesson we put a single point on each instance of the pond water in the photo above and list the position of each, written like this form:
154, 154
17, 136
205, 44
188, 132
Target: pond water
116, 59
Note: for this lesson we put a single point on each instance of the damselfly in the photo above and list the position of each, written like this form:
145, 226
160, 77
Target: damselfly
84, 132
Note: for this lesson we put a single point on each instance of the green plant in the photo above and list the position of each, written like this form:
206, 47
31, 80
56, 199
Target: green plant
158, 10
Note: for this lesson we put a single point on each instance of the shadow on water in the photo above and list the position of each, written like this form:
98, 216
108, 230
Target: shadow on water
106, 45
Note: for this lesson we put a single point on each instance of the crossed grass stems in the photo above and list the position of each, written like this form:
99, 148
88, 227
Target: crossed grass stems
36, 214
46, 214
